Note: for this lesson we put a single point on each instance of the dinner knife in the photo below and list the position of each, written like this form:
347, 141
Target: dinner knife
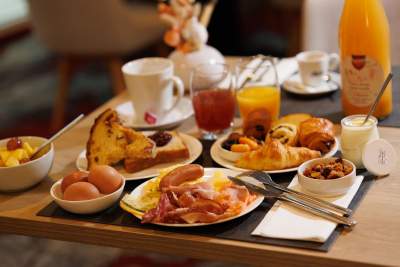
267, 180
347, 221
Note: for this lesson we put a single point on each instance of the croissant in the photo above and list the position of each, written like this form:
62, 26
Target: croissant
317, 134
286, 133
275, 156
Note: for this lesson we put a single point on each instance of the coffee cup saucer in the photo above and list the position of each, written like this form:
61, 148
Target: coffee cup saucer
294, 85
181, 112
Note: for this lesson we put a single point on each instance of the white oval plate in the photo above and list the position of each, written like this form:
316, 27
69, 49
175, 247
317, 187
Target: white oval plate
294, 85
208, 172
183, 110
215, 155
194, 146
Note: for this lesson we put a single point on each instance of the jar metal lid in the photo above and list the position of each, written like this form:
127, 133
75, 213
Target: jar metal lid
379, 157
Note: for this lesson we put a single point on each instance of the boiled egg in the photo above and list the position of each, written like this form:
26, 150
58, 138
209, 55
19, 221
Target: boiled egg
81, 191
105, 178
72, 178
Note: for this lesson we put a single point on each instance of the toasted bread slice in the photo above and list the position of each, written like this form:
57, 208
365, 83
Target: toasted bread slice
176, 149
108, 141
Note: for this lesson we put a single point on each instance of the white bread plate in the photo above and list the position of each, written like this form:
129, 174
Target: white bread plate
193, 144
27, 174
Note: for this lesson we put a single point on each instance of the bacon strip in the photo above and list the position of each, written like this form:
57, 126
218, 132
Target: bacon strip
198, 203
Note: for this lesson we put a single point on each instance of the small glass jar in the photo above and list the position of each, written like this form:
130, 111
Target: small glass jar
355, 135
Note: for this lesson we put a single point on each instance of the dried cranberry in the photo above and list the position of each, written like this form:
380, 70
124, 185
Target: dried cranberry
14, 143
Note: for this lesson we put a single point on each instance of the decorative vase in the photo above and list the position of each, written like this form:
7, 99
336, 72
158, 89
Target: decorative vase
185, 62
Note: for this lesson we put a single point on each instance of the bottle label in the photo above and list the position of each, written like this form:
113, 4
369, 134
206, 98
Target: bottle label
361, 78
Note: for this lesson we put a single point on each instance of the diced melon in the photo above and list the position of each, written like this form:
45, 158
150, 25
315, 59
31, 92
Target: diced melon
11, 162
2, 163
19, 154
27, 147
4, 155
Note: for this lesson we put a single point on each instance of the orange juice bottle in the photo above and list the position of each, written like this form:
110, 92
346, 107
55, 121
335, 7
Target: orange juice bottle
364, 43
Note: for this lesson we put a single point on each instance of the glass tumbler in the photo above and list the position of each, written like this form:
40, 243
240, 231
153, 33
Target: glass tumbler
213, 98
258, 94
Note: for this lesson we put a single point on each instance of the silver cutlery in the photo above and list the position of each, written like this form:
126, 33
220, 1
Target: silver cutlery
266, 179
55, 136
378, 97
296, 202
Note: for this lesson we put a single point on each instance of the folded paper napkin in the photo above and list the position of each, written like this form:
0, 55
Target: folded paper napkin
286, 67
287, 222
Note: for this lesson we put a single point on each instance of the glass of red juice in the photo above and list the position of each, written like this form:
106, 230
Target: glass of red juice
213, 99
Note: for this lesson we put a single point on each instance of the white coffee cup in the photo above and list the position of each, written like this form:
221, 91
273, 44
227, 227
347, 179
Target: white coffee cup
150, 83
314, 66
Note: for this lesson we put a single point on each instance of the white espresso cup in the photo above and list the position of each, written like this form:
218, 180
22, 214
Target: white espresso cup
150, 83
314, 66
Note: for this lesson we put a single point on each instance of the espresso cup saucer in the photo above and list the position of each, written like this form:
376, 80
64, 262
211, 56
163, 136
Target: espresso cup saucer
173, 118
294, 85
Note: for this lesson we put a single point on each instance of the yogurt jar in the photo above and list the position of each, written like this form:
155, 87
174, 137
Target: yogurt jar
355, 135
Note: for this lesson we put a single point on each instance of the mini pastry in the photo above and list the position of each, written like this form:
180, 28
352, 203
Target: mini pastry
275, 156
285, 133
317, 134
294, 118
257, 124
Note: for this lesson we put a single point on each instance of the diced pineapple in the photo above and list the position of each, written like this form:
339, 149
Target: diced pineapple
11, 162
27, 147
4, 155
19, 154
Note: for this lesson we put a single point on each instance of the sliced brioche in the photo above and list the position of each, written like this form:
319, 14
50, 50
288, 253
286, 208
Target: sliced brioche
108, 141
176, 149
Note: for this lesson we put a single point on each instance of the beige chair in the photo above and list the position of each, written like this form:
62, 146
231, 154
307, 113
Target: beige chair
320, 25
82, 30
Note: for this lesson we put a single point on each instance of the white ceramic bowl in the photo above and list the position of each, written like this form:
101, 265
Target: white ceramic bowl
85, 206
27, 174
229, 155
331, 187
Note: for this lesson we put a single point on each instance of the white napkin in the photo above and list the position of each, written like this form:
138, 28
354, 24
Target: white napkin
285, 68
287, 222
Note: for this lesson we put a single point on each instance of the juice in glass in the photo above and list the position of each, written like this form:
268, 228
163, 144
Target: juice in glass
364, 42
258, 98
214, 109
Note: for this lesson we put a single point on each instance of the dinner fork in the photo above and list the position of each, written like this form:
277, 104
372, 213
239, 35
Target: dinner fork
266, 179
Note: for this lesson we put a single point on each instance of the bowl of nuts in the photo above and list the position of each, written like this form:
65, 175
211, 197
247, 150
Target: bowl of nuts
18, 171
327, 176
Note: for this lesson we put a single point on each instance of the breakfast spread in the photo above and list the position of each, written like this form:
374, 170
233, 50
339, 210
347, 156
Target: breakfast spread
333, 169
15, 152
291, 140
101, 180
181, 195
110, 143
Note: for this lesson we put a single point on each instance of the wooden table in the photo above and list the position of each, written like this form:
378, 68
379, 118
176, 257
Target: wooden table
375, 241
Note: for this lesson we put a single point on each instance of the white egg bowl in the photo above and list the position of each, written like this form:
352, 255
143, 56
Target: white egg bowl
85, 206
329, 187
27, 174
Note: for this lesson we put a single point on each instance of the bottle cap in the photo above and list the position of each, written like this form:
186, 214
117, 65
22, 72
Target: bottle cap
379, 157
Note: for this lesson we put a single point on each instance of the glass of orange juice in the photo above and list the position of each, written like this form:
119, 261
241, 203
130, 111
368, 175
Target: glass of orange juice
258, 94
